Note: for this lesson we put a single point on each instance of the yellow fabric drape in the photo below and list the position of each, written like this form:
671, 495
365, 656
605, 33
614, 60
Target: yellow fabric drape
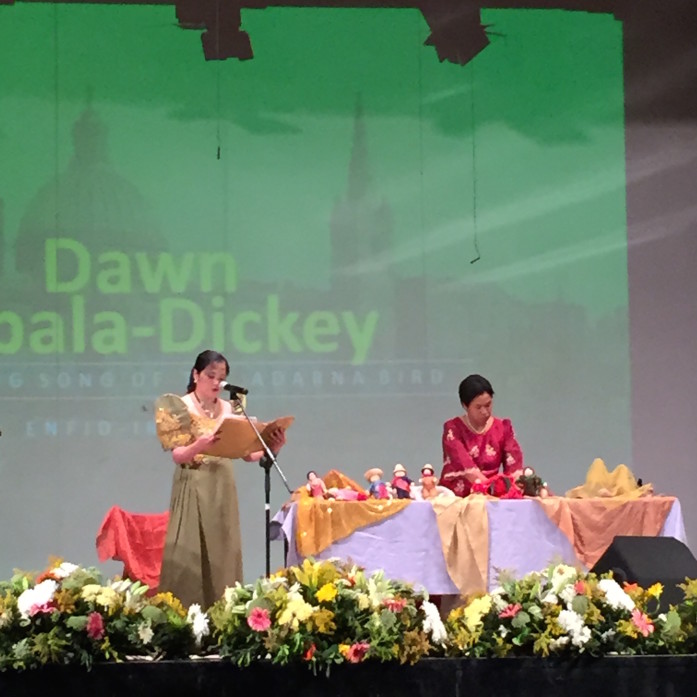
463, 525
601, 482
321, 522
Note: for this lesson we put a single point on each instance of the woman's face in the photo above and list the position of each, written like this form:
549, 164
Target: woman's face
209, 379
479, 409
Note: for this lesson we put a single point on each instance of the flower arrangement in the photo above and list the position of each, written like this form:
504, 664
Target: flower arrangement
68, 614
563, 611
324, 613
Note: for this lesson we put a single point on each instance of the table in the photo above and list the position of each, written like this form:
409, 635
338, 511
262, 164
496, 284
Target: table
407, 545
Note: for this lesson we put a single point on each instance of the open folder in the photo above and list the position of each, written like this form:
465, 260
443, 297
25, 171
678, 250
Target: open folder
237, 437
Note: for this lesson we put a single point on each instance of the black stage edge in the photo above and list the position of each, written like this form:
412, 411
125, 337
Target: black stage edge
611, 676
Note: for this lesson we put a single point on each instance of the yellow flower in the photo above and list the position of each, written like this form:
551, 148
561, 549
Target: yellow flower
64, 600
296, 611
90, 591
344, 649
323, 619
307, 573
54, 562
363, 601
655, 590
108, 598
170, 601
476, 610
326, 593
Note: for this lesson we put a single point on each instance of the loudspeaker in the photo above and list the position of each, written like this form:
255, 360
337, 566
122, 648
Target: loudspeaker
648, 560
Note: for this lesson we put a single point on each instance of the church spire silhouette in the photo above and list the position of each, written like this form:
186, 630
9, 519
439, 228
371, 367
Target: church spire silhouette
359, 175
361, 223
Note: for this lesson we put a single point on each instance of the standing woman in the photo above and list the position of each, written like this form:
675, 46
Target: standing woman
477, 445
203, 547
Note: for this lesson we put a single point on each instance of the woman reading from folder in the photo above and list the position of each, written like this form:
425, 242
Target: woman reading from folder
203, 547
477, 444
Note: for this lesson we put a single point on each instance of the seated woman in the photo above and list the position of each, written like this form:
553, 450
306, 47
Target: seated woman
478, 445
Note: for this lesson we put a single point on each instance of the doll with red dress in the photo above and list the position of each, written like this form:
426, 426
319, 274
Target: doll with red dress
401, 484
315, 485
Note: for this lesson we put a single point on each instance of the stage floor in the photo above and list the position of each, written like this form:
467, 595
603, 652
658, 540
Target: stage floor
640, 676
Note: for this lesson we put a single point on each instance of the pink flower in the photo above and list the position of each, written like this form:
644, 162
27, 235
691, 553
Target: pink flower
642, 622
396, 604
95, 626
259, 619
580, 587
510, 611
45, 609
357, 652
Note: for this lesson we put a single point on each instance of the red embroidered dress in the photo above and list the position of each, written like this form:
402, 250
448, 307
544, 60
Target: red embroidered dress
469, 456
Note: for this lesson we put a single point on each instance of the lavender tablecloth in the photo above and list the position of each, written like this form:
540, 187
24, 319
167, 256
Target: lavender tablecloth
407, 545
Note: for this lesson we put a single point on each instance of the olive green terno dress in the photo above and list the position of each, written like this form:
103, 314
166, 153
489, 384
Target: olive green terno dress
203, 549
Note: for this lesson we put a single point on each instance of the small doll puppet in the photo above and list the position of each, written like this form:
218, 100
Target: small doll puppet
377, 489
401, 484
429, 482
531, 484
315, 486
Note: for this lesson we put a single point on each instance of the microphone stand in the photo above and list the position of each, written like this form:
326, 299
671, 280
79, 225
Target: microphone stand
266, 462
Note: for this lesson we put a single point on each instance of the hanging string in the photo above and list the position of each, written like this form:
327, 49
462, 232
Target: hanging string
425, 286
420, 116
477, 256
217, 79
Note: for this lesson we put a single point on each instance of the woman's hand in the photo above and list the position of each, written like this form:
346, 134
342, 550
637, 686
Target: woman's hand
276, 440
204, 442
186, 453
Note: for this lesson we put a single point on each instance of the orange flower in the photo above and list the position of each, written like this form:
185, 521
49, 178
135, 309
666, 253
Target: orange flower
307, 656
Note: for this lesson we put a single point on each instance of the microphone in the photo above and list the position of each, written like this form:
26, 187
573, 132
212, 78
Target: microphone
233, 389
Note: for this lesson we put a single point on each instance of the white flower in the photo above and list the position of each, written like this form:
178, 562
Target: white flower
35, 597
581, 637
616, 598
550, 599
433, 624
559, 642
145, 633
567, 594
198, 621
562, 575
64, 570
608, 635
497, 598
573, 625
503, 631
231, 595
121, 586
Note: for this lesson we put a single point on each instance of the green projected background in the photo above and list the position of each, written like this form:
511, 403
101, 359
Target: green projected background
355, 224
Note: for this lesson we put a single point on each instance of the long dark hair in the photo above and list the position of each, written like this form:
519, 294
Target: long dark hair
203, 360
